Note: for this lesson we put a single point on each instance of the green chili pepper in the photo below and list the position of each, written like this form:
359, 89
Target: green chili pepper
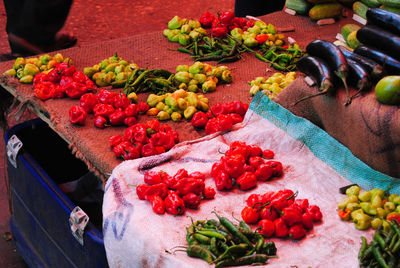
202, 238
259, 244
378, 238
184, 50
393, 242
213, 246
364, 245
232, 229
197, 251
235, 250
246, 260
378, 256
212, 234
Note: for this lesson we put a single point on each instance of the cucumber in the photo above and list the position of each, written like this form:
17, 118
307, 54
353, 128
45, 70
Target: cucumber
392, 9
360, 9
325, 11
352, 40
300, 6
390, 3
371, 3
349, 28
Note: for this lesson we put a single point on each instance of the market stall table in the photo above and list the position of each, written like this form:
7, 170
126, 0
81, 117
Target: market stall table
152, 50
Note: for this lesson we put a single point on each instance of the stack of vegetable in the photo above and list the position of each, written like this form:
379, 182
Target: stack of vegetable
112, 71
273, 85
25, 69
281, 58
317, 9
383, 250
174, 194
227, 244
177, 105
367, 209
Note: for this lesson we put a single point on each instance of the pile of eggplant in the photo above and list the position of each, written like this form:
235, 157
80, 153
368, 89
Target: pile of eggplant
332, 66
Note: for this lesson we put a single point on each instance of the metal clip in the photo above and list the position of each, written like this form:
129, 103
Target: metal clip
13, 147
78, 221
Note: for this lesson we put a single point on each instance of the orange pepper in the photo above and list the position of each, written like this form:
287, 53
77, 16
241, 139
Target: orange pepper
344, 214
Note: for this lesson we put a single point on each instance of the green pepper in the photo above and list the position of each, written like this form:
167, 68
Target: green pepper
171, 102
20, 73
10, 72
176, 117
185, 29
31, 69
45, 58
175, 23
26, 79
182, 104
200, 77
361, 221
376, 223
255, 29
250, 42
89, 71
350, 199
396, 200
194, 24
196, 68
390, 206
194, 35
226, 76
376, 201
163, 115
193, 82
271, 29
368, 208
193, 88
386, 226
353, 190
364, 196
381, 213
192, 99
201, 30
182, 68
173, 37
182, 77
119, 68
153, 100
216, 72
189, 112
379, 192
121, 76
237, 34
208, 86
353, 206
261, 24
18, 63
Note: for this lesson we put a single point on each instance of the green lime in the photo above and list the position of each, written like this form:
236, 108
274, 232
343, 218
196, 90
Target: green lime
387, 90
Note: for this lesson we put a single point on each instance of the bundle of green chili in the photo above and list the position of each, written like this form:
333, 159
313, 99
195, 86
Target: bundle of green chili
383, 250
281, 58
215, 49
227, 244
158, 81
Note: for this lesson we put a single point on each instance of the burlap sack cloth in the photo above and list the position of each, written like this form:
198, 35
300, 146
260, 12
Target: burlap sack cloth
134, 236
370, 130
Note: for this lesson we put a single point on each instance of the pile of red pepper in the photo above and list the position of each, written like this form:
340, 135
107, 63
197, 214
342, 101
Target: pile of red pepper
220, 117
280, 214
244, 165
224, 23
109, 109
63, 80
141, 140
173, 194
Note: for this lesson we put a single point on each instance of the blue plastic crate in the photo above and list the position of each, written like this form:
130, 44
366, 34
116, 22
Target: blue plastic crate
41, 210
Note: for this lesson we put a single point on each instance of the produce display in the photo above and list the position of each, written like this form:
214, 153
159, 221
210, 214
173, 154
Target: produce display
112, 71
224, 243
141, 140
367, 209
361, 7
280, 214
174, 194
25, 69
221, 117
177, 105
272, 85
244, 165
383, 250
62, 80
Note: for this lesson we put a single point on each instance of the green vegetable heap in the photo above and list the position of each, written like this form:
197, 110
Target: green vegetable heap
25, 69
227, 244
